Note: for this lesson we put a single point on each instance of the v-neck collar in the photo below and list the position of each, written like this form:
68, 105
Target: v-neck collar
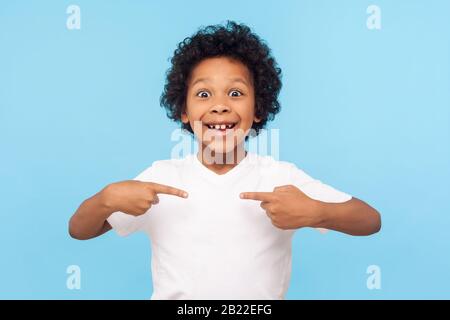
220, 178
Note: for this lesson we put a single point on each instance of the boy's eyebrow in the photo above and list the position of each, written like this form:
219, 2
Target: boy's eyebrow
231, 80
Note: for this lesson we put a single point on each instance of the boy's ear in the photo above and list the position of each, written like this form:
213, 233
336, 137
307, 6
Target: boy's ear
184, 117
256, 118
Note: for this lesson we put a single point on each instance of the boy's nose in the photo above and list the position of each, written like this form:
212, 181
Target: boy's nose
219, 108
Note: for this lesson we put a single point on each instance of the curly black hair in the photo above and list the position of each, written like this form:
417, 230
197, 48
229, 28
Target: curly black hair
231, 40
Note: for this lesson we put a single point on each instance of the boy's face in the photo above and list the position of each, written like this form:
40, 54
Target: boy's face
220, 103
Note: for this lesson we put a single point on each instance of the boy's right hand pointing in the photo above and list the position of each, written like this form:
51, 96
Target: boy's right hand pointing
136, 197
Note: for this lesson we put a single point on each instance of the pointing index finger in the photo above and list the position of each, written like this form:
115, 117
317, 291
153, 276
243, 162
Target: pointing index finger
260, 196
162, 188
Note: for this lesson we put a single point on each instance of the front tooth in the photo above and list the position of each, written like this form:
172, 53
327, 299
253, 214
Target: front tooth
217, 126
223, 127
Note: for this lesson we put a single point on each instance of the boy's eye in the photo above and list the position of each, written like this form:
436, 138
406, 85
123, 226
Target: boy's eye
203, 94
235, 93
206, 94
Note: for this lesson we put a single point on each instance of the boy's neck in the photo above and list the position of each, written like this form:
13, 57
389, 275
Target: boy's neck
223, 162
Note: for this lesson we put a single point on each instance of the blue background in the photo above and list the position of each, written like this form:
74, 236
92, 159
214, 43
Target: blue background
366, 111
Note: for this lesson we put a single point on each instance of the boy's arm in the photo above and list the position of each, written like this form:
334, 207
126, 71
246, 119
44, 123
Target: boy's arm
131, 197
354, 217
289, 208
89, 221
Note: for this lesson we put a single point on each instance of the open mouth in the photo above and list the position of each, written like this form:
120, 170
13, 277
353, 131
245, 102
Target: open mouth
220, 126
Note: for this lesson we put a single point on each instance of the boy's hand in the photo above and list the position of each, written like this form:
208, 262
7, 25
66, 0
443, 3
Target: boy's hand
136, 197
288, 207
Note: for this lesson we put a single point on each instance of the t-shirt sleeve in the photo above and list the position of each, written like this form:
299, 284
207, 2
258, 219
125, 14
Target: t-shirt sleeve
125, 224
316, 189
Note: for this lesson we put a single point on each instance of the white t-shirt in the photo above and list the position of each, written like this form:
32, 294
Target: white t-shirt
213, 244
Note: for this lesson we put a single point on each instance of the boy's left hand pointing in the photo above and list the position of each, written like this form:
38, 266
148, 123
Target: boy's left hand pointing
288, 207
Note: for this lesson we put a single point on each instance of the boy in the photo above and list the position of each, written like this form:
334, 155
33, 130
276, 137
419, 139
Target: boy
221, 221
